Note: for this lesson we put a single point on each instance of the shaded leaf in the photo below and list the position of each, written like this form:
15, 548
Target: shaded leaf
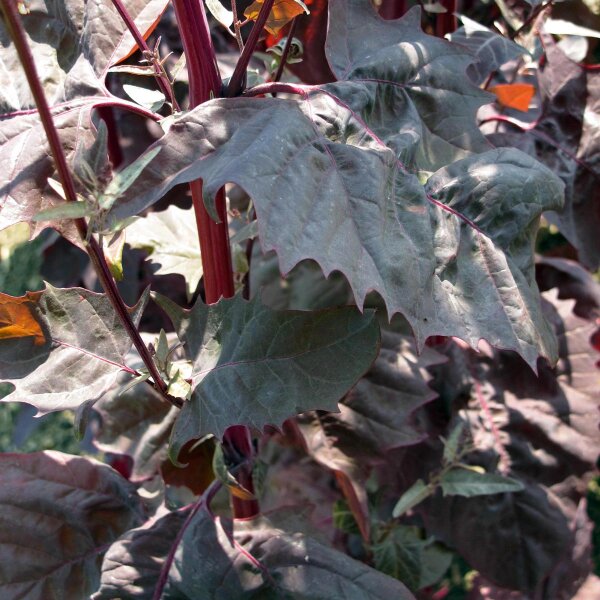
563, 84
171, 238
135, 421
265, 562
68, 510
466, 482
281, 14
547, 428
572, 282
132, 565
88, 359
532, 537
254, 366
376, 416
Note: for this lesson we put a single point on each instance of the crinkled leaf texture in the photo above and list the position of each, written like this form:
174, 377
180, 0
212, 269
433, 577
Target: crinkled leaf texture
331, 176
60, 513
252, 559
455, 257
73, 356
74, 45
254, 366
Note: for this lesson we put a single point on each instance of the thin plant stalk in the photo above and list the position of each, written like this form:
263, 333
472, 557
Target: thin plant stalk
236, 83
95, 252
160, 73
236, 25
286, 49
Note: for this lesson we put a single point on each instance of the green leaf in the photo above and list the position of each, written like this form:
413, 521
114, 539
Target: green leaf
124, 179
76, 507
70, 210
20, 265
135, 381
51, 360
414, 495
151, 99
253, 366
452, 444
161, 350
178, 386
403, 554
171, 238
465, 482
247, 232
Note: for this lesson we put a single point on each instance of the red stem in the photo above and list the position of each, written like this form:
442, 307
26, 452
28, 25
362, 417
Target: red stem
446, 22
392, 9
205, 82
17, 33
214, 246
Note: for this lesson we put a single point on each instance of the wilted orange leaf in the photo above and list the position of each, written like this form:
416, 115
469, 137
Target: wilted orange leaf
282, 13
514, 95
17, 320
